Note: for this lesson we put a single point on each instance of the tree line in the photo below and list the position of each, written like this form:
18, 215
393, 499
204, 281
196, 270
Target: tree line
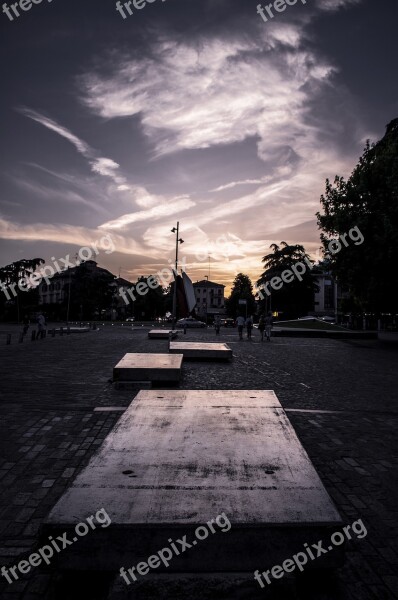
367, 200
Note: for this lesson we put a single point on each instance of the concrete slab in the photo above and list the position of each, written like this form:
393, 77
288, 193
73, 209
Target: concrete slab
177, 459
148, 367
162, 334
201, 350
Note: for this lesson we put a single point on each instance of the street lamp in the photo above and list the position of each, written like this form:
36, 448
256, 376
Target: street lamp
207, 297
178, 241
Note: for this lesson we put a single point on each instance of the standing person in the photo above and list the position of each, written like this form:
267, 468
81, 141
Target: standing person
249, 327
261, 327
26, 324
41, 325
217, 324
240, 321
268, 325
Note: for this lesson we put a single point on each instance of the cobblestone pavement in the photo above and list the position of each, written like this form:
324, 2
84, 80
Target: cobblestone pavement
340, 396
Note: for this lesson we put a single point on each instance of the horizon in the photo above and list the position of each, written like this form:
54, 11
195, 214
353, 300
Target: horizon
185, 111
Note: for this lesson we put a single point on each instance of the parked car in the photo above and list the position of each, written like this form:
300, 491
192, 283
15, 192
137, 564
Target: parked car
330, 320
190, 322
228, 323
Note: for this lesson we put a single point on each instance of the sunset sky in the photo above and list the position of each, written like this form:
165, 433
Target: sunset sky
189, 110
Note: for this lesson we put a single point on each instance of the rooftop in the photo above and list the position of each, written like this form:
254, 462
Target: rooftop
205, 283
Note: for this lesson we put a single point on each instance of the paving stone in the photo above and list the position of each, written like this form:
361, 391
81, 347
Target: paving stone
346, 417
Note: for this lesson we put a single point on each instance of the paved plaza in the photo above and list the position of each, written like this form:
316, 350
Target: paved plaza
58, 404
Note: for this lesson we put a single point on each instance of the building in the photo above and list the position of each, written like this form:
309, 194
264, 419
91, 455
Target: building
210, 299
329, 298
325, 298
56, 291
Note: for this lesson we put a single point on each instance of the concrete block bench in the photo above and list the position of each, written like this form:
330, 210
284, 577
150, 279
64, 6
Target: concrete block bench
148, 367
162, 334
177, 459
201, 350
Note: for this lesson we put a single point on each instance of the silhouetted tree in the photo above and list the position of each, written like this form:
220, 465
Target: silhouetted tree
21, 300
368, 200
242, 289
293, 299
152, 304
91, 292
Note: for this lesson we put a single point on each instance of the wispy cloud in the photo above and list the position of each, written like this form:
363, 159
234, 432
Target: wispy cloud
160, 211
103, 166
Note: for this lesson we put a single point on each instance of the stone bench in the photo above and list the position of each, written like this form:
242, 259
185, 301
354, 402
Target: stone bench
201, 350
162, 334
148, 367
177, 459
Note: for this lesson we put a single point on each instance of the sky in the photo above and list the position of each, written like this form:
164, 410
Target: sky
195, 111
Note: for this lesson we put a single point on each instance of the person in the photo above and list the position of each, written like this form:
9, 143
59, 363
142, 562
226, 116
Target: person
261, 327
26, 324
240, 321
249, 327
268, 325
217, 324
41, 325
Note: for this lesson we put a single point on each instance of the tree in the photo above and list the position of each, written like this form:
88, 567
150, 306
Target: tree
293, 299
152, 304
242, 289
91, 291
11, 275
368, 201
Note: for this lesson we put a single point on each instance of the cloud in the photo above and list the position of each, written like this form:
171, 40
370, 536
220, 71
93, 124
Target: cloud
160, 211
336, 4
66, 234
186, 95
80, 146
103, 166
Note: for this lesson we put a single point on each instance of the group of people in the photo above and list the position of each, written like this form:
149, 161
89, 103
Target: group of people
264, 326
41, 325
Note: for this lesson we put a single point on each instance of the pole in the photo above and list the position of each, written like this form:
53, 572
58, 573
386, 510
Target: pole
67, 310
175, 280
336, 312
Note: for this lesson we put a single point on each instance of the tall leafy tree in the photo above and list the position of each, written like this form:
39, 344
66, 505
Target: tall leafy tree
10, 275
295, 298
152, 304
242, 289
368, 200
91, 291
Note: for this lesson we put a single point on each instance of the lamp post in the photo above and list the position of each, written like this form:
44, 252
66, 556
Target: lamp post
178, 241
207, 298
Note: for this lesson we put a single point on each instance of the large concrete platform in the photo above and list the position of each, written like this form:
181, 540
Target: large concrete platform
177, 459
201, 350
162, 334
148, 367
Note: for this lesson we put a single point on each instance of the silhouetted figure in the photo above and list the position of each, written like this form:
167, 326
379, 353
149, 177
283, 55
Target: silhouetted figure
249, 327
268, 325
261, 327
41, 326
217, 324
240, 321
26, 324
